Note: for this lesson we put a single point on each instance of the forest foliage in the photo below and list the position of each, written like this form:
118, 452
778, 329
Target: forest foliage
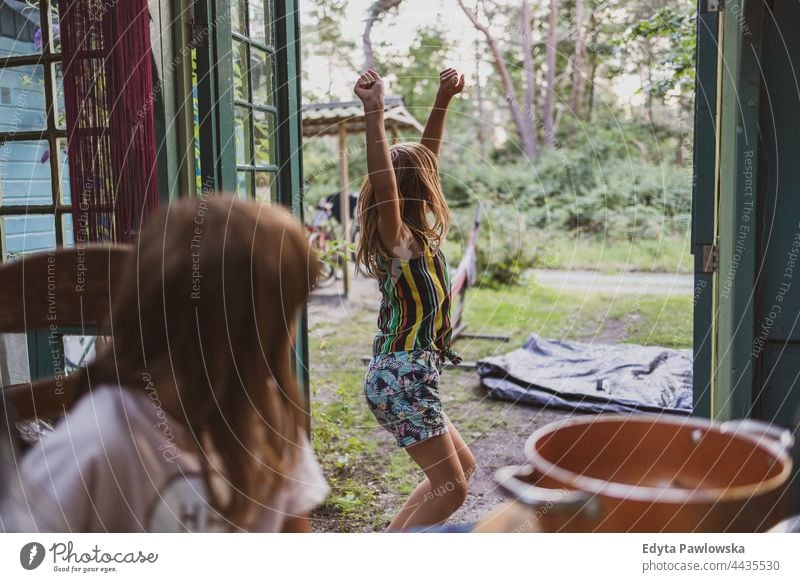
576, 120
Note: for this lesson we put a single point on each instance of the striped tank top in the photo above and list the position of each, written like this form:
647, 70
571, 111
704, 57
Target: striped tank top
415, 306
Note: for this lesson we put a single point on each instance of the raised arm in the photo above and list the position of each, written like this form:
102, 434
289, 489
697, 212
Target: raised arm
450, 84
369, 89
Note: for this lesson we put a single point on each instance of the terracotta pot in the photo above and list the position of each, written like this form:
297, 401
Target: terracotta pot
652, 474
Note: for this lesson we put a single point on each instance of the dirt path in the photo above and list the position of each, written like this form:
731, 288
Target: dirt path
626, 282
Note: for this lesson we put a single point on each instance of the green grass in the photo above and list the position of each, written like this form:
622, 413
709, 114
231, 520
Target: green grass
664, 255
369, 476
653, 320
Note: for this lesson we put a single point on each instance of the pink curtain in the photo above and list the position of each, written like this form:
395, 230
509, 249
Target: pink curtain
108, 98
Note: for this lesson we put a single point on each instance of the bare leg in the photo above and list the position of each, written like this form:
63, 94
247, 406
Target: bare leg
438, 458
417, 496
465, 456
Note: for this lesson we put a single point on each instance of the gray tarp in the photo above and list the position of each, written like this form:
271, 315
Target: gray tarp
592, 377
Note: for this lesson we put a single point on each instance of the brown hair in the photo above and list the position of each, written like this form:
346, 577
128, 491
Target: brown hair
212, 289
416, 171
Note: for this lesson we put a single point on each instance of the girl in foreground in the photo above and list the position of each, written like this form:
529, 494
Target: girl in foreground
404, 219
194, 420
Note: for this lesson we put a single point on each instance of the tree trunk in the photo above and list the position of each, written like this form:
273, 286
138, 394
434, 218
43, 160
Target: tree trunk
479, 98
550, 95
679, 159
375, 11
525, 136
593, 64
578, 60
592, 73
366, 43
529, 107
649, 65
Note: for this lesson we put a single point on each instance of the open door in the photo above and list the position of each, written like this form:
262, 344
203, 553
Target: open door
248, 86
704, 202
746, 213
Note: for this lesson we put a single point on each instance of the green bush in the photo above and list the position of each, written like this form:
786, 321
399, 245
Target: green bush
581, 191
505, 262
505, 251
607, 178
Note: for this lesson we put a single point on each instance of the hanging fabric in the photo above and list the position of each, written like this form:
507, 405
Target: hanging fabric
108, 99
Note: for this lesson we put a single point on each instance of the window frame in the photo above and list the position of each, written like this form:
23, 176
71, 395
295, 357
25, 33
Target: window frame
251, 167
48, 60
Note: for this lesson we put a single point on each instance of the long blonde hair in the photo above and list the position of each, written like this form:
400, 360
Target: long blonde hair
416, 170
212, 290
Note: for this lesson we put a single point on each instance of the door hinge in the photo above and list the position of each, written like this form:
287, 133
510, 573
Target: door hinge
714, 6
710, 259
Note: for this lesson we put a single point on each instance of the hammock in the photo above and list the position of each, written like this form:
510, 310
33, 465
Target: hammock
464, 276
461, 280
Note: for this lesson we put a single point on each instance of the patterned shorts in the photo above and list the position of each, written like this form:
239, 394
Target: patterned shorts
402, 390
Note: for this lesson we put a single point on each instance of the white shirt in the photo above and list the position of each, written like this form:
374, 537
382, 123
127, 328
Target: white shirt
119, 463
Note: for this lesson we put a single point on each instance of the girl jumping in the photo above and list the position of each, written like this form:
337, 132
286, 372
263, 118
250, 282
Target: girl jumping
404, 218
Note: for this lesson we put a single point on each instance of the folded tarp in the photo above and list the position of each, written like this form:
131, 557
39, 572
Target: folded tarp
592, 377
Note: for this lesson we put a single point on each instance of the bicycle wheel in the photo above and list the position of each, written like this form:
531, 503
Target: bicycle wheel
327, 272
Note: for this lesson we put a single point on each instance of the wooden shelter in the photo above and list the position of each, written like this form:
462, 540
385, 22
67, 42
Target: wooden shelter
342, 118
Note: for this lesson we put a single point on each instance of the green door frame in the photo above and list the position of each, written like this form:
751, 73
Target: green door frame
290, 150
704, 203
738, 162
172, 103
724, 224
213, 43
216, 112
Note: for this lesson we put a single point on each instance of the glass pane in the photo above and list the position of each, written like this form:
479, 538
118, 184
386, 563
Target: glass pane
79, 350
238, 11
261, 77
55, 33
63, 171
261, 21
20, 33
22, 98
264, 132
60, 112
244, 184
264, 186
241, 89
67, 232
28, 234
25, 173
243, 145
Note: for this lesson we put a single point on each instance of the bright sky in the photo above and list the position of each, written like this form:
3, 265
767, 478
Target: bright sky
402, 28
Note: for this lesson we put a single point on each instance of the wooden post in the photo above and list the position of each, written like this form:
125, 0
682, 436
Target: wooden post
395, 134
344, 202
